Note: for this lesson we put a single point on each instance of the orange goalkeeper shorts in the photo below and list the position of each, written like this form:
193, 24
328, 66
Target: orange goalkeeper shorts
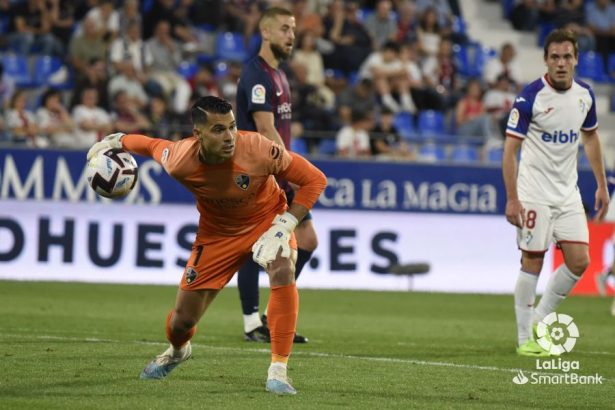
215, 259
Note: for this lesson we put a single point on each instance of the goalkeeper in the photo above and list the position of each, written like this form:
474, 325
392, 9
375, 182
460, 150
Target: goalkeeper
243, 213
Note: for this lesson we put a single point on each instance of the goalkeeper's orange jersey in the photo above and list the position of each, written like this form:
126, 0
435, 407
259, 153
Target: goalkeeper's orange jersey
236, 196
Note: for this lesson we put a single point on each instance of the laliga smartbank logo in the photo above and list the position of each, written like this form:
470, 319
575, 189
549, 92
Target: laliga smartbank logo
557, 334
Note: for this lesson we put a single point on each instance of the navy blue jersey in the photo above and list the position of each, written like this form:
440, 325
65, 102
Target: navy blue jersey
264, 88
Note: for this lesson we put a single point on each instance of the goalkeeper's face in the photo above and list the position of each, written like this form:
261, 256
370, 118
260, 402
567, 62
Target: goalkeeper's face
217, 137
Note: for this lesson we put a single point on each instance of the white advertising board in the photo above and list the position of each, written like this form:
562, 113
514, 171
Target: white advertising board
149, 244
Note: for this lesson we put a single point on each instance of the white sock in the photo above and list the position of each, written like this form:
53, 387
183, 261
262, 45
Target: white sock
251, 322
389, 101
525, 296
277, 370
559, 286
407, 103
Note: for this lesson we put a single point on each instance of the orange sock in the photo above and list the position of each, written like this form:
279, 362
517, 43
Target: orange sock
178, 340
282, 320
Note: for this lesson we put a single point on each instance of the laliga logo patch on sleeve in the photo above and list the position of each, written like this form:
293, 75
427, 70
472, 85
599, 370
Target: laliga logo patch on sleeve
258, 94
513, 118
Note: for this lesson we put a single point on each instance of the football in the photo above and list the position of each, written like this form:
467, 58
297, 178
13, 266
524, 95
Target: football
112, 173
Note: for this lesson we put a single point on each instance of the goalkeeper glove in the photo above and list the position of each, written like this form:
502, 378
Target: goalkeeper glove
111, 141
266, 248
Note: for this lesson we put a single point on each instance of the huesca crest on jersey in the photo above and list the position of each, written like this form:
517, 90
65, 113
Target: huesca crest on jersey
242, 181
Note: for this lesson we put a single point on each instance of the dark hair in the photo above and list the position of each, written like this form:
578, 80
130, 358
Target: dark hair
48, 94
209, 104
561, 35
358, 115
391, 45
273, 12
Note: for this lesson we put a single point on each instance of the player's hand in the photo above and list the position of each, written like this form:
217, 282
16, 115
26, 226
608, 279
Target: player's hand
267, 247
515, 213
601, 203
111, 141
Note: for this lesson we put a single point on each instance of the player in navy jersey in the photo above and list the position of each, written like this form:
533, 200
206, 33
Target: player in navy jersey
264, 105
548, 120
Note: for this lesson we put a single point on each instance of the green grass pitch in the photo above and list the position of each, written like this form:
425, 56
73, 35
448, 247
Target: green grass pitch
81, 346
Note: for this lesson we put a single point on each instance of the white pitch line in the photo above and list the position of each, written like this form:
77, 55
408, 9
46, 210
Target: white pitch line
311, 354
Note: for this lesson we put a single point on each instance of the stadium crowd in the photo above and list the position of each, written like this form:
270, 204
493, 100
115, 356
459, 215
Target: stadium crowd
373, 79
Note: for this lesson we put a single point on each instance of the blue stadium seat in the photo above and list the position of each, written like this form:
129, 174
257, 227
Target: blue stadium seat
16, 66
404, 122
44, 69
299, 146
591, 66
471, 58
458, 25
254, 45
543, 31
230, 46
494, 155
327, 146
431, 123
432, 153
187, 69
464, 154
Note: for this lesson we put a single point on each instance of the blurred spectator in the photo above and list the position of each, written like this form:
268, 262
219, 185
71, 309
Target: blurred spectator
165, 10
307, 56
62, 20
106, 20
385, 68
440, 73
386, 142
429, 33
128, 14
126, 116
228, 83
32, 29
7, 87
441, 8
166, 57
186, 32
130, 59
352, 42
381, 25
54, 121
96, 77
601, 21
21, 123
310, 109
92, 122
505, 64
360, 98
161, 121
352, 141
306, 20
242, 16
86, 47
570, 15
526, 13
204, 82
406, 22
471, 118
498, 101
424, 96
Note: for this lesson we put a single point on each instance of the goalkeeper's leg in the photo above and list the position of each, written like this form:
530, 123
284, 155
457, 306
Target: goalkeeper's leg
282, 317
180, 327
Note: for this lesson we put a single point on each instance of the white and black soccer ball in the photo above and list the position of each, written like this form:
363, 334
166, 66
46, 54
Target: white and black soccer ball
112, 173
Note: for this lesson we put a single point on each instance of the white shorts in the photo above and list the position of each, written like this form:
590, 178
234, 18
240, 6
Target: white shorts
544, 223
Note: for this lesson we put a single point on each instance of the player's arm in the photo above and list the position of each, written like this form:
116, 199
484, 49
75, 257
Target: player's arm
515, 214
134, 143
265, 125
310, 180
593, 150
